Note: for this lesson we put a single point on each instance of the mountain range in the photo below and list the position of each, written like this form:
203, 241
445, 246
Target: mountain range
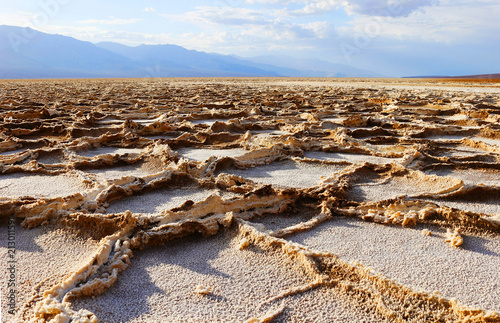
27, 53
491, 76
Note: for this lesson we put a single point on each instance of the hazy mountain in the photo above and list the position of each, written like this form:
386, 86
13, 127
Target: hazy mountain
493, 76
267, 65
164, 57
312, 67
27, 53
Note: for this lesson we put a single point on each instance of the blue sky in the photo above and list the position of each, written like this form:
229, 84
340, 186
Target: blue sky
392, 37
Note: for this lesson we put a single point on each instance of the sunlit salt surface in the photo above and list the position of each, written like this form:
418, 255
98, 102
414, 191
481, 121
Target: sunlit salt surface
379, 189
455, 117
238, 280
447, 137
288, 173
339, 120
228, 267
156, 201
270, 132
147, 122
486, 205
390, 149
110, 121
463, 151
22, 184
442, 88
405, 255
201, 154
489, 141
471, 176
136, 170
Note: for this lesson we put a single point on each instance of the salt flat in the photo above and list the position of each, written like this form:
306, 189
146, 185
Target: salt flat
276, 200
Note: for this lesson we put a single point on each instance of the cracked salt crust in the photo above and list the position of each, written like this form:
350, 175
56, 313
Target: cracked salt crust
245, 223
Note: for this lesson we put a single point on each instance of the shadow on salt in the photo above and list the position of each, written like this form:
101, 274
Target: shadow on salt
12, 152
470, 274
166, 137
289, 173
270, 132
165, 280
351, 158
55, 251
50, 157
109, 151
463, 152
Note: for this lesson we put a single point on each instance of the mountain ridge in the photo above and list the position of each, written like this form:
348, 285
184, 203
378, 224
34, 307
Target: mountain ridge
490, 76
43, 55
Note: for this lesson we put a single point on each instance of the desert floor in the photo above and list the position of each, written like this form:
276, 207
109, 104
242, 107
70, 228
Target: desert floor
250, 200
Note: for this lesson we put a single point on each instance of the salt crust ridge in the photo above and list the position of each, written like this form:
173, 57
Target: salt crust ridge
384, 123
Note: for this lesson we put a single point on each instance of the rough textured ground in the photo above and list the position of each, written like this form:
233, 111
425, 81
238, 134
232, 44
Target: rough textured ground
250, 200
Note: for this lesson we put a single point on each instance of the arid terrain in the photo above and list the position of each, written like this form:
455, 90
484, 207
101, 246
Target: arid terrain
250, 200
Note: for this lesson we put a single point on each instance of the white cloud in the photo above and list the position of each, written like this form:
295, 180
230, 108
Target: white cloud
112, 21
385, 8
451, 22
18, 18
321, 29
244, 30
97, 34
274, 2
378, 8
317, 8
149, 9
223, 16
261, 25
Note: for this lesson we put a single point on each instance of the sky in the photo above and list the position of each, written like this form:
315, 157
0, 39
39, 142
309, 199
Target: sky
390, 37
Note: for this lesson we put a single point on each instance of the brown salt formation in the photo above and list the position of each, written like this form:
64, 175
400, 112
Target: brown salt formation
251, 200
454, 238
426, 232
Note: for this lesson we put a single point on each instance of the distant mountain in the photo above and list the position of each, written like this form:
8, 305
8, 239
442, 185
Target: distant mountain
311, 67
493, 76
45, 55
162, 58
27, 53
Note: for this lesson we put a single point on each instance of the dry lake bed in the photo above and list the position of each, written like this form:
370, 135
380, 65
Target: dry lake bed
250, 200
